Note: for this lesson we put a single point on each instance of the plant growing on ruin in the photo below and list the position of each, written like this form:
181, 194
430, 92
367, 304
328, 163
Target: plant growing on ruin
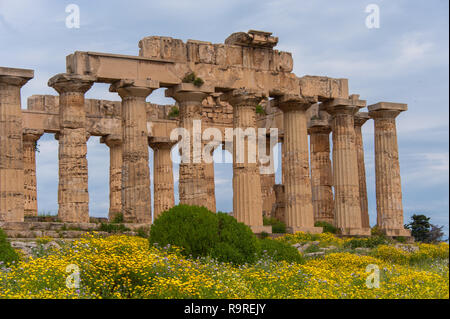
327, 227
260, 110
174, 112
192, 78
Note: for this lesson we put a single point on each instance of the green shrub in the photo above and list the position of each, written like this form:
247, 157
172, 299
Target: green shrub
369, 242
117, 219
260, 110
192, 78
278, 251
278, 227
201, 232
113, 228
327, 227
7, 254
174, 112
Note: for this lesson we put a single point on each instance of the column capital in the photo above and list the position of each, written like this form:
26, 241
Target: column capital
134, 88
111, 140
189, 93
293, 102
386, 109
68, 83
319, 126
242, 97
344, 106
16, 77
161, 142
361, 118
31, 135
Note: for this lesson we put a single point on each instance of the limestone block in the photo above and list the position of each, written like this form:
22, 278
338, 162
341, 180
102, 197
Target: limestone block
163, 48
323, 87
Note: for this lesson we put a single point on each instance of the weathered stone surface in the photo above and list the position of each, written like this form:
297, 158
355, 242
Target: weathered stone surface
321, 171
11, 149
347, 207
387, 168
29, 140
360, 119
163, 175
299, 215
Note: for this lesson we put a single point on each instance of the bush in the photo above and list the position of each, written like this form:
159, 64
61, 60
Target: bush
201, 232
278, 251
192, 78
278, 227
327, 227
369, 242
113, 228
7, 254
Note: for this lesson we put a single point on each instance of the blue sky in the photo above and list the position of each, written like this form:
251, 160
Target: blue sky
405, 60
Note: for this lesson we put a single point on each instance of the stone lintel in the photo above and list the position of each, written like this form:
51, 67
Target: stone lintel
188, 88
361, 118
252, 38
64, 83
322, 87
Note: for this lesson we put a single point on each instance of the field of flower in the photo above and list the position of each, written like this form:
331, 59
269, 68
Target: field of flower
126, 267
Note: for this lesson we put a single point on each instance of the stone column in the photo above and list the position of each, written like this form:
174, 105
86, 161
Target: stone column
73, 195
321, 172
115, 174
163, 196
30, 138
387, 168
11, 156
136, 196
297, 183
267, 184
360, 119
192, 186
347, 209
210, 187
247, 203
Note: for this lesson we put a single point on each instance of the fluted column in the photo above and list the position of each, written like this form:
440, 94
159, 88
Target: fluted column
163, 190
11, 155
321, 172
192, 187
210, 185
297, 183
347, 209
136, 197
115, 174
360, 119
387, 168
247, 203
30, 138
268, 182
73, 195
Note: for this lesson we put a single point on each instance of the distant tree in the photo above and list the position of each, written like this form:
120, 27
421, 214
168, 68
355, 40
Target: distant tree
436, 234
420, 227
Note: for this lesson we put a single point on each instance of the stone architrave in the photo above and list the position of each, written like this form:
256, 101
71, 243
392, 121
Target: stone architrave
192, 186
114, 143
163, 191
321, 171
247, 203
387, 168
30, 138
11, 154
347, 209
299, 215
73, 195
360, 119
136, 196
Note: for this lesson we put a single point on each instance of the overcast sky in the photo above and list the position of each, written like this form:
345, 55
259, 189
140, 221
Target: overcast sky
404, 60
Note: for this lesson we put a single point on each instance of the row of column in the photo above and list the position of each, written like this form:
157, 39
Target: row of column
129, 158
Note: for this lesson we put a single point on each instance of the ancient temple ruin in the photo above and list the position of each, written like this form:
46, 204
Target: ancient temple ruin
237, 77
